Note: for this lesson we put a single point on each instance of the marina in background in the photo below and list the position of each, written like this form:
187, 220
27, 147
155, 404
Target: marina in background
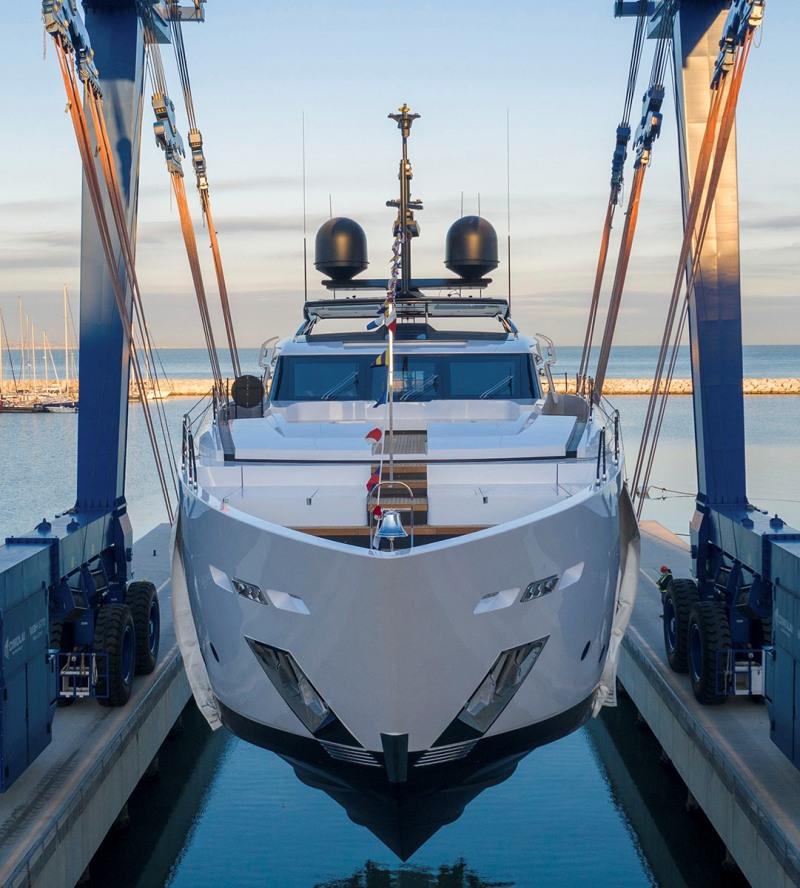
768, 370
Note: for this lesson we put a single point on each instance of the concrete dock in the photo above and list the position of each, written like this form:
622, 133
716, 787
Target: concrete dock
747, 788
53, 819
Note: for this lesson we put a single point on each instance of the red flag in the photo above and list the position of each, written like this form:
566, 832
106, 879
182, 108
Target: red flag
374, 480
374, 435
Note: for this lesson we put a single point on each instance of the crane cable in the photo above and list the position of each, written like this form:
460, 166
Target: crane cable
657, 72
690, 233
162, 101
198, 160
114, 192
733, 80
617, 167
81, 127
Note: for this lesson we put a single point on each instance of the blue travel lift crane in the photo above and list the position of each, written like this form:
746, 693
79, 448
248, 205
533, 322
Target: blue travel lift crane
72, 623
735, 625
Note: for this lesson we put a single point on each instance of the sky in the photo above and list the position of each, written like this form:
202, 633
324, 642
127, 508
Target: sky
559, 71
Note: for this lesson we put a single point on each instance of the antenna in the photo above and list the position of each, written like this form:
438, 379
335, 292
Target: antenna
330, 204
305, 237
462, 205
405, 225
508, 200
479, 203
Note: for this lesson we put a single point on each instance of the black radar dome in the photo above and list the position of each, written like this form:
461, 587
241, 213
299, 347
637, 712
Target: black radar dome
340, 249
471, 249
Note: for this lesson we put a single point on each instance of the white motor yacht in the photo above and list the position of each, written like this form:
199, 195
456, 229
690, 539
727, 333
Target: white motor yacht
400, 548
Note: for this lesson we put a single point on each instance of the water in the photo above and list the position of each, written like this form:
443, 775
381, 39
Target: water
594, 808
627, 362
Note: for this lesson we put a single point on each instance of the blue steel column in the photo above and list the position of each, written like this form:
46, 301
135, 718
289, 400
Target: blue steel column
715, 318
117, 39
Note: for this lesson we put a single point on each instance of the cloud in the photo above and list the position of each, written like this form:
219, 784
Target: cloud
36, 259
63, 240
43, 207
789, 222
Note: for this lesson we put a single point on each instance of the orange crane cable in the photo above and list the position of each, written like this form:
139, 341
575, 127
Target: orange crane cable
598, 285
187, 228
626, 247
80, 126
114, 192
693, 209
725, 131
202, 185
221, 283
189, 239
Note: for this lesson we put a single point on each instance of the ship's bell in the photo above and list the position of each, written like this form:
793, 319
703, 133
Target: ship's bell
391, 527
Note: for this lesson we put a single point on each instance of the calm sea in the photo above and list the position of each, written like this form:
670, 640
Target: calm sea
627, 362
596, 808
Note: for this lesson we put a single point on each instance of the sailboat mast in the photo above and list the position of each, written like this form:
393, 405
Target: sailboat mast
21, 342
66, 343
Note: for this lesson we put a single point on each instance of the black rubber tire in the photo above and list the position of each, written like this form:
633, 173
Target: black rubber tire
679, 595
113, 622
710, 620
56, 631
141, 596
764, 632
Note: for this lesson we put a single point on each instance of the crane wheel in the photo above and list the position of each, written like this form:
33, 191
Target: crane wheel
115, 637
142, 598
677, 599
709, 640
764, 631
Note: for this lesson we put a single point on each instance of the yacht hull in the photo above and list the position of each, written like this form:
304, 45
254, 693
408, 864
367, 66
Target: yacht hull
396, 644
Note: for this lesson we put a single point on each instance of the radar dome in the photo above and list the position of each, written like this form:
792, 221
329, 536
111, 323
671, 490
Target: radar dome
471, 250
341, 249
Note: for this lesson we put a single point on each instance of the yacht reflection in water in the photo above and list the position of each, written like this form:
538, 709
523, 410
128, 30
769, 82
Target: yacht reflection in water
405, 815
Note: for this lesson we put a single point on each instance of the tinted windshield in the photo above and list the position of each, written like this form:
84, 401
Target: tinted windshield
416, 378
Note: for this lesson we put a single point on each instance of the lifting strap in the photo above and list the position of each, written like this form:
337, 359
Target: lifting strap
617, 170
626, 247
170, 142
81, 127
727, 86
201, 173
648, 131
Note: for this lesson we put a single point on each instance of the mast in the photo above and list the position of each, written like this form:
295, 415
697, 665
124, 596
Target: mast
405, 228
66, 343
46, 368
405, 225
21, 342
33, 356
